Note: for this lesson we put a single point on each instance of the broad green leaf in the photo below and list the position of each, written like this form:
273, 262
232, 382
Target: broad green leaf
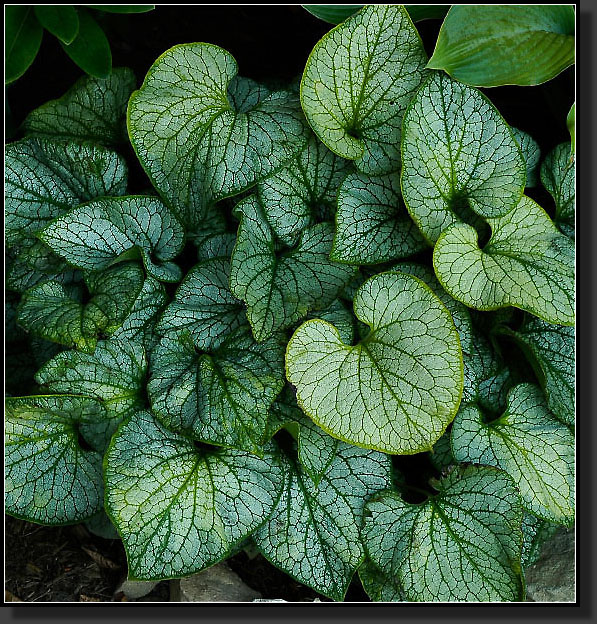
90, 49
357, 83
303, 192
492, 45
122, 8
314, 532
463, 544
93, 109
480, 363
336, 13
399, 387
204, 306
100, 233
50, 477
192, 139
372, 225
558, 175
179, 508
550, 350
531, 153
222, 396
571, 125
52, 311
460, 158
61, 21
339, 315
378, 586
535, 532
527, 263
280, 288
44, 179
22, 39
114, 373
460, 313
217, 245
529, 444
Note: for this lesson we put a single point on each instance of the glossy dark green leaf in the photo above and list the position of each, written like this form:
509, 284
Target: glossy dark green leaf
336, 13
50, 477
98, 234
122, 8
492, 45
357, 83
527, 263
22, 39
179, 509
280, 288
463, 544
45, 178
528, 443
460, 158
399, 387
313, 533
558, 175
61, 21
90, 50
93, 109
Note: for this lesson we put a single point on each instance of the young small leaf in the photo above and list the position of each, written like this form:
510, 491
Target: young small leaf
463, 544
527, 263
193, 506
460, 158
529, 444
397, 389
50, 478
357, 83
61, 21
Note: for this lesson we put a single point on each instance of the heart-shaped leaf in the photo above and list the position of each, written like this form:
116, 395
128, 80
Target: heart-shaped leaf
460, 158
193, 141
222, 396
179, 508
463, 544
372, 225
529, 444
52, 311
491, 45
302, 192
527, 263
558, 174
357, 83
50, 477
44, 179
398, 388
93, 109
313, 533
98, 234
280, 288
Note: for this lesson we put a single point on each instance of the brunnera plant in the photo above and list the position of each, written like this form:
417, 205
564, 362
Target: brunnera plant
366, 271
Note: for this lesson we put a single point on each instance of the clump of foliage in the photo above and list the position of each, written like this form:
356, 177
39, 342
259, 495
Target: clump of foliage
334, 327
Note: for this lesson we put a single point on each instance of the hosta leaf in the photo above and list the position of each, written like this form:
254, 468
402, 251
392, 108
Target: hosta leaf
527, 263
93, 109
50, 311
313, 534
194, 143
398, 388
357, 83
61, 21
302, 192
558, 174
50, 477
44, 179
460, 313
463, 544
96, 235
379, 586
113, 373
550, 350
531, 153
280, 288
490, 45
529, 444
178, 508
221, 397
204, 306
460, 158
372, 225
